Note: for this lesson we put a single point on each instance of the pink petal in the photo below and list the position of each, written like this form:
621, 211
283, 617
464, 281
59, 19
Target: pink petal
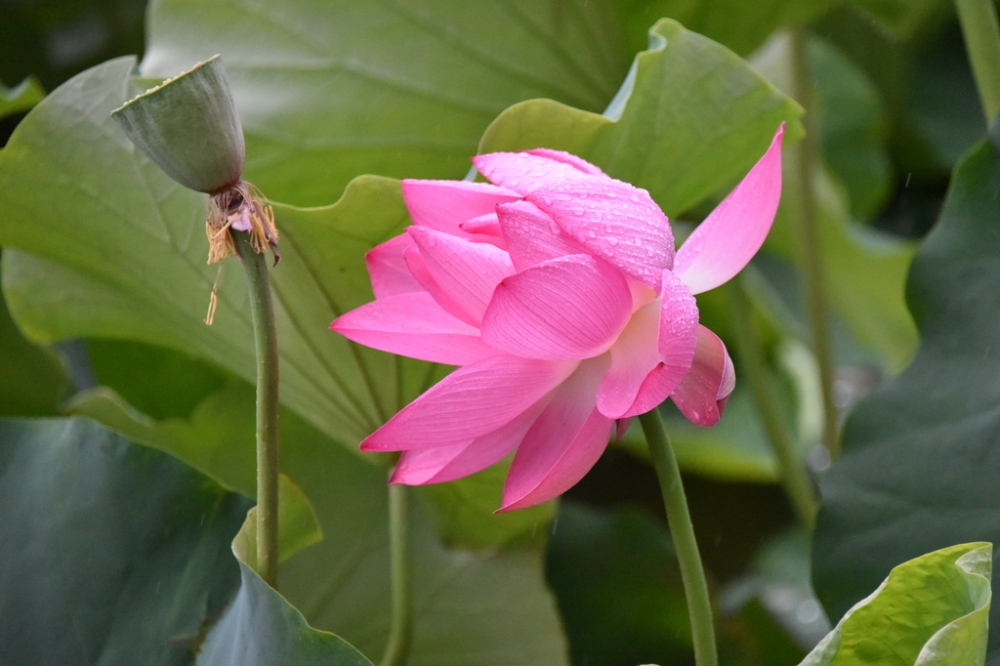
524, 172
614, 220
445, 204
563, 444
567, 308
485, 229
471, 402
636, 382
387, 268
447, 463
703, 393
418, 269
577, 163
468, 272
413, 325
729, 237
633, 357
533, 237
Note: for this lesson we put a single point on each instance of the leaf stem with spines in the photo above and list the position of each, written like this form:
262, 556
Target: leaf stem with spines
397, 650
268, 451
805, 165
682, 533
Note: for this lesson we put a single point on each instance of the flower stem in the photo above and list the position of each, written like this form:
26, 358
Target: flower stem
806, 164
682, 533
794, 477
982, 42
401, 633
268, 453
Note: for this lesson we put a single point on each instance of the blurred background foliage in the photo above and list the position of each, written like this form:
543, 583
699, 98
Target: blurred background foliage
330, 91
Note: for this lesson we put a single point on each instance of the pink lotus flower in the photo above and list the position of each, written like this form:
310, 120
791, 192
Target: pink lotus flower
557, 291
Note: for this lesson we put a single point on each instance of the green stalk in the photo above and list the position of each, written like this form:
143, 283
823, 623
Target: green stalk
401, 632
682, 533
982, 43
794, 477
268, 452
806, 164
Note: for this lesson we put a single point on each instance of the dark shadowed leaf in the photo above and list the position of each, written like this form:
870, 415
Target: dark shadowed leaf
918, 470
112, 553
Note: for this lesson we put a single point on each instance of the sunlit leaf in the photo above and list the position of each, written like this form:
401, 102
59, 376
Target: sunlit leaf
930, 611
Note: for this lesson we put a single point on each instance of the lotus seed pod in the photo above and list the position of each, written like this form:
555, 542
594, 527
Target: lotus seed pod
189, 127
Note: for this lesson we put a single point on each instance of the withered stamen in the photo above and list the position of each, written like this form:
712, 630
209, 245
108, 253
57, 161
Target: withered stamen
239, 205
213, 300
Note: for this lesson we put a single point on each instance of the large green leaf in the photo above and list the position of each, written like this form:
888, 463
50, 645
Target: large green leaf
330, 90
118, 252
930, 611
918, 470
112, 553
691, 118
479, 608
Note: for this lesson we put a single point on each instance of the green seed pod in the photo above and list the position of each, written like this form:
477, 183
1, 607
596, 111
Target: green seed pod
188, 126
